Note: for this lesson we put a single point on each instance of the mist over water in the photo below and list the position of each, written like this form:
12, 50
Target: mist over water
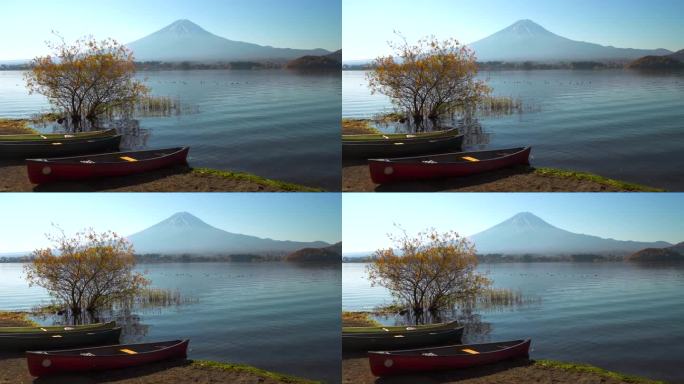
618, 124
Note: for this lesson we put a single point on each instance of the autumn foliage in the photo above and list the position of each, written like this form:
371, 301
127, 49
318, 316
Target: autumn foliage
86, 79
429, 272
430, 79
87, 271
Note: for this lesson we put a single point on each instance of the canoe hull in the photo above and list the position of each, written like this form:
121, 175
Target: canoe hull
42, 171
412, 339
384, 171
361, 150
383, 364
45, 364
48, 148
389, 137
33, 137
57, 328
398, 329
51, 340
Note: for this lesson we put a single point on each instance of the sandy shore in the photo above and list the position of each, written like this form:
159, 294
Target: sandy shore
14, 178
356, 178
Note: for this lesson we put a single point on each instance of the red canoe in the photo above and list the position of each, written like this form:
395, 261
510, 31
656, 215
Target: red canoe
103, 358
445, 165
103, 165
445, 358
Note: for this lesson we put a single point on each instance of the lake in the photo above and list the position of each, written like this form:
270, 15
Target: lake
276, 316
274, 123
617, 316
618, 124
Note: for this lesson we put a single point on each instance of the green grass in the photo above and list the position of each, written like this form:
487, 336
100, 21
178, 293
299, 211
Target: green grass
622, 185
204, 364
586, 368
282, 185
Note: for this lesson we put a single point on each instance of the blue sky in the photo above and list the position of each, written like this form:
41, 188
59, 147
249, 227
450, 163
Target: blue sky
368, 25
368, 218
26, 24
282, 216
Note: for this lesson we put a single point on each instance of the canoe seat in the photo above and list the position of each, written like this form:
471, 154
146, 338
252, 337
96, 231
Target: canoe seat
429, 162
87, 162
410, 328
86, 354
398, 335
410, 136
399, 143
385, 137
128, 351
56, 143
43, 329
471, 351
469, 158
428, 354
127, 158
385, 329
56, 336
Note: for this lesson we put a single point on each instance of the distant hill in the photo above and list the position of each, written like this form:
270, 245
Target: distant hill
526, 233
679, 55
673, 61
668, 254
184, 233
331, 254
332, 61
184, 40
526, 40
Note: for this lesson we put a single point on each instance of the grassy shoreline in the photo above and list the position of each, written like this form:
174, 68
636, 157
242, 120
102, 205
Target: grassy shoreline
363, 319
365, 126
21, 126
20, 319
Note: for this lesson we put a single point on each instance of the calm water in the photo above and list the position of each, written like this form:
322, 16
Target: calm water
615, 123
614, 315
275, 316
277, 124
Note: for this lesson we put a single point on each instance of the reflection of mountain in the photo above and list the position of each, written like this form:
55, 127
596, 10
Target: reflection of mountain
185, 233
184, 40
526, 233
526, 40
673, 253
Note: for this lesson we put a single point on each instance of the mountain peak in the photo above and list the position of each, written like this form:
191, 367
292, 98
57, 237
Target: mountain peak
528, 220
526, 27
183, 27
184, 219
